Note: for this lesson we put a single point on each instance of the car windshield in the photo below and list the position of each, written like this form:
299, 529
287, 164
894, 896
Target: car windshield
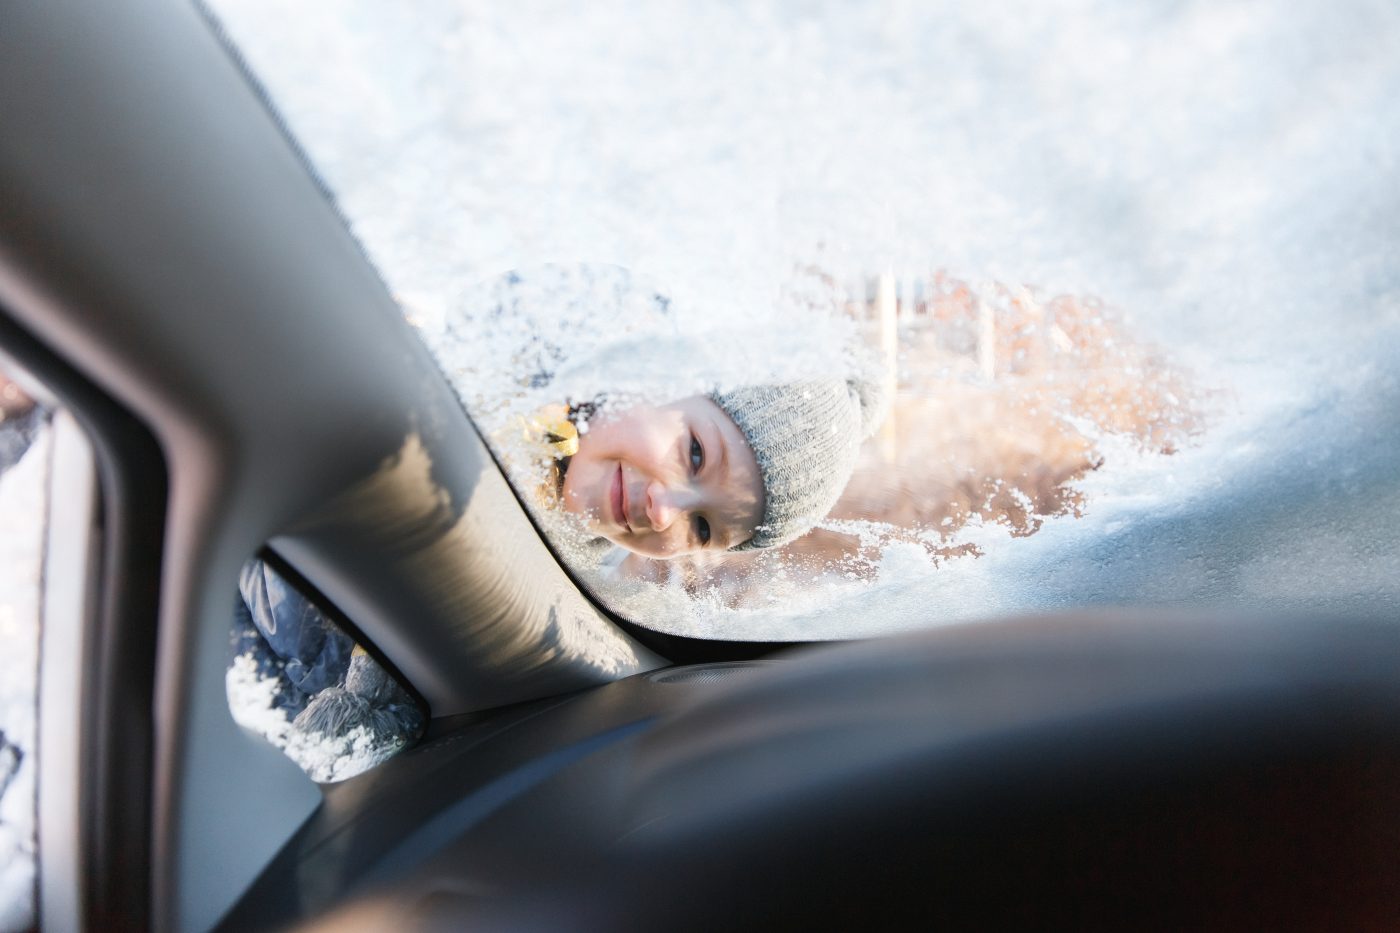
793, 321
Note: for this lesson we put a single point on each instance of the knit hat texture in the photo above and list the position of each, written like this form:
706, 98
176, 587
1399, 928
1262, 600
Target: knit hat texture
806, 437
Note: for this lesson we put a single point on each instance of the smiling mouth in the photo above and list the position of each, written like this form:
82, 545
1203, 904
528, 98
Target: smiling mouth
618, 501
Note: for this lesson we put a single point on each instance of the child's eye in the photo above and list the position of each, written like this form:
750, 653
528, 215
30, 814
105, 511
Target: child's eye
697, 454
702, 529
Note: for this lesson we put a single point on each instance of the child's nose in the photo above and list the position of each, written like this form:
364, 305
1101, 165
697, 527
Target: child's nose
662, 506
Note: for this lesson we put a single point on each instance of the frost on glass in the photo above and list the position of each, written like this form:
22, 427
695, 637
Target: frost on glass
297, 679
1127, 273
24, 476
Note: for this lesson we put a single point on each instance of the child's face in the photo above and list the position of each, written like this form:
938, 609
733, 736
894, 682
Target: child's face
666, 481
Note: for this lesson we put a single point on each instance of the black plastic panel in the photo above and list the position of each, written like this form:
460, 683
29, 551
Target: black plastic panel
1108, 771
380, 826
116, 706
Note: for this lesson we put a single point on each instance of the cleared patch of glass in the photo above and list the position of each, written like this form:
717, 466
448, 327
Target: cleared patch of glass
1085, 306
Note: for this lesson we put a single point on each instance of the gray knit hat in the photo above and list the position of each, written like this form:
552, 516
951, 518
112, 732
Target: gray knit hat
806, 437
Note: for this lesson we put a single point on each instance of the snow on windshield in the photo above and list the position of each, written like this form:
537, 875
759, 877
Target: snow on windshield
1130, 271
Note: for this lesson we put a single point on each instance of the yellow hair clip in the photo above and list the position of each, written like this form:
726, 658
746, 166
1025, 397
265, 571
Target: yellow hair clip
552, 426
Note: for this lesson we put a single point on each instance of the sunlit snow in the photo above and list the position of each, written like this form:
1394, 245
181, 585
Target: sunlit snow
324, 758
1224, 176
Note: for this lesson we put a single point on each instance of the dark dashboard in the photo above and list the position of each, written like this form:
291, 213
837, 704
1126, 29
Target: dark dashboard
1104, 771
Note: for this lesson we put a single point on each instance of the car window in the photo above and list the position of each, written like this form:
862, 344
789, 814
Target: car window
792, 321
24, 494
301, 681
